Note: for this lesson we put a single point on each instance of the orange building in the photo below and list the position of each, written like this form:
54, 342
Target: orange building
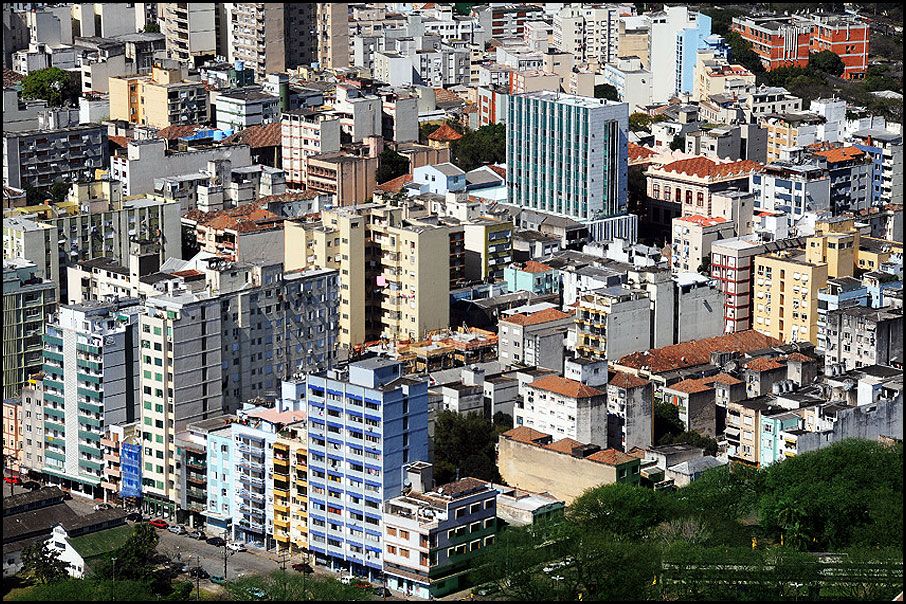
784, 41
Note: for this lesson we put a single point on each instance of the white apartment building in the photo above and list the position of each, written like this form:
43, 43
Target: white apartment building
564, 408
305, 133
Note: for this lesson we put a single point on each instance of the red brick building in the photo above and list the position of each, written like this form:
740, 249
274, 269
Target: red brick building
783, 41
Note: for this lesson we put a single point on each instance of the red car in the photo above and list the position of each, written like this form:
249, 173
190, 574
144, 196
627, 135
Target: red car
158, 523
12, 479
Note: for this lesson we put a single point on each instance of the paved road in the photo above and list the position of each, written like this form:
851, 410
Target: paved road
193, 552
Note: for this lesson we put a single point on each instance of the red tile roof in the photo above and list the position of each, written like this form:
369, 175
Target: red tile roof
724, 378
704, 221
178, 131
564, 445
246, 218
535, 267
622, 379
445, 133
798, 357
565, 387
11, 78
764, 364
542, 316
692, 386
841, 154
689, 354
498, 170
257, 137
524, 434
611, 457
638, 153
708, 168
394, 185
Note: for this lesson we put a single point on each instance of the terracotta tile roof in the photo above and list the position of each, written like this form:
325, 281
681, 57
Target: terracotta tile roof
708, 168
246, 218
462, 487
704, 221
622, 379
564, 445
763, 364
535, 267
638, 153
120, 142
841, 154
284, 197
692, 386
394, 185
689, 354
498, 170
444, 96
611, 457
798, 357
178, 131
542, 316
257, 137
565, 387
724, 378
11, 78
524, 434
445, 133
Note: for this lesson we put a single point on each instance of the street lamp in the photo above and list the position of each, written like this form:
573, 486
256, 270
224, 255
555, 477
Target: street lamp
113, 594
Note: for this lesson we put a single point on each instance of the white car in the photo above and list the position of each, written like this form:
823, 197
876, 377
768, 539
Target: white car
347, 580
554, 566
102, 506
178, 529
237, 547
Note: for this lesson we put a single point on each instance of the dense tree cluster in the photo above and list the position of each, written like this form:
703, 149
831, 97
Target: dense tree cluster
487, 145
53, 84
464, 444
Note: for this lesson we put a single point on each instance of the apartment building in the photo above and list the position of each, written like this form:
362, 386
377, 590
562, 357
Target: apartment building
506, 20
306, 132
264, 323
787, 41
291, 486
715, 75
31, 411
162, 99
589, 32
677, 34
767, 100
631, 80
190, 29
744, 427
394, 272
794, 189
850, 172
786, 296
28, 301
886, 151
240, 109
90, 382
431, 533
790, 133
693, 237
271, 37
565, 408
533, 339
332, 34
13, 445
27, 239
364, 424
488, 247
860, 336
610, 321
630, 416
244, 233
349, 178
39, 158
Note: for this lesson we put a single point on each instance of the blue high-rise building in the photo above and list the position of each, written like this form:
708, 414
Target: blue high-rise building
365, 423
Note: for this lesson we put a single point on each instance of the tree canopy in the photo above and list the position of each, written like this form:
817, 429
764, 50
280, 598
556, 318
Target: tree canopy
52, 84
827, 61
606, 91
464, 444
487, 145
391, 165
43, 563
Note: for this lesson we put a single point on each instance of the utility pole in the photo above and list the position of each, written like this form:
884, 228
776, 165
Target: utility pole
225, 556
198, 579
284, 556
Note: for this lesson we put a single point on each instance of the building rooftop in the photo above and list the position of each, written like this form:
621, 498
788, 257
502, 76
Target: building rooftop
698, 352
565, 387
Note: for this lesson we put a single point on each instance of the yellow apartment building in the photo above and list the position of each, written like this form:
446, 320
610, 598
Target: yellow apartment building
162, 99
786, 296
291, 488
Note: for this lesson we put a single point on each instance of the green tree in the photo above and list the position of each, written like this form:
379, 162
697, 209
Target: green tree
678, 143
742, 53
87, 590
132, 558
464, 445
606, 91
620, 509
826, 61
502, 422
43, 563
487, 145
391, 165
152, 28
692, 438
666, 422
52, 84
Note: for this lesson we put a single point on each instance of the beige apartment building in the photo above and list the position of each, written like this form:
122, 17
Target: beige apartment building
349, 178
394, 273
162, 99
786, 296
190, 30
333, 34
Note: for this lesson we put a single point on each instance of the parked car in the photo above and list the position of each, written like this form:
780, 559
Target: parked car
102, 506
216, 541
159, 523
303, 567
362, 584
199, 573
178, 529
198, 535
237, 547
217, 580
133, 517
32, 485
67, 495
347, 579
12, 479
382, 592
